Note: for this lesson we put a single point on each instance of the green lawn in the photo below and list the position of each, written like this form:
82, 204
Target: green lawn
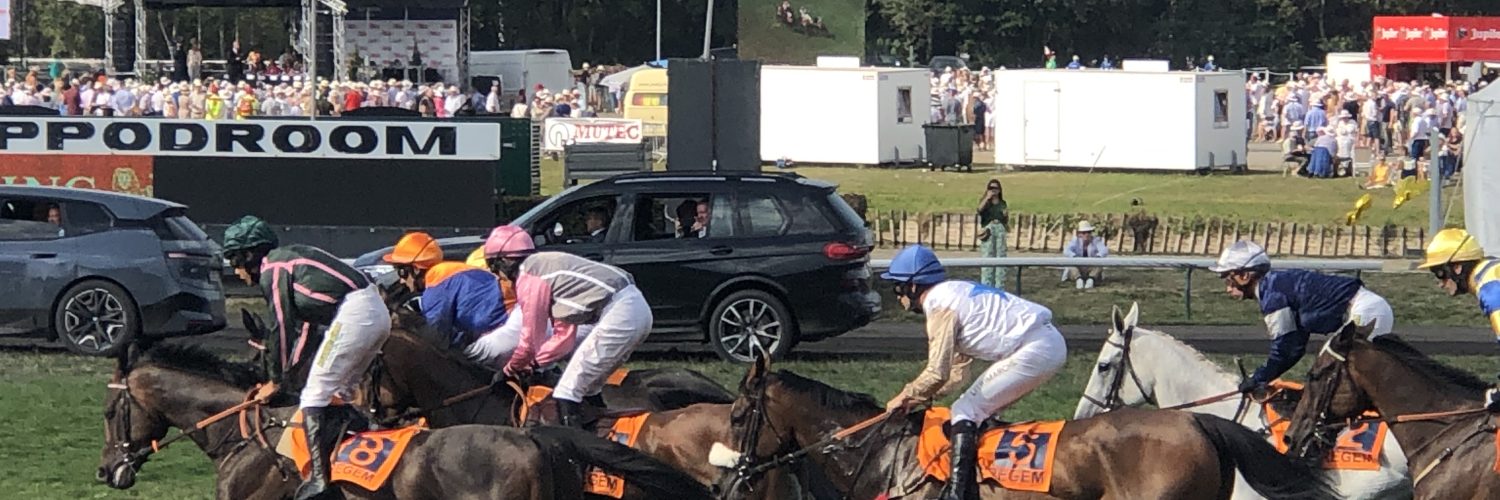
52, 406
1414, 297
1250, 197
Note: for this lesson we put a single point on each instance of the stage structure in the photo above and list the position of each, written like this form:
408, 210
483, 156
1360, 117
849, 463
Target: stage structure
447, 39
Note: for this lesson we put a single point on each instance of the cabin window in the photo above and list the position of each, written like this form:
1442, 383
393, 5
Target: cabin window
1221, 108
903, 105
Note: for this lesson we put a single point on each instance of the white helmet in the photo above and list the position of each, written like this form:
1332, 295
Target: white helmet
1241, 255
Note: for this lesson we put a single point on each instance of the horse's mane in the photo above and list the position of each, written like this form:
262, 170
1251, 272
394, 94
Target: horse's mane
827, 395
423, 336
199, 361
1410, 356
1196, 354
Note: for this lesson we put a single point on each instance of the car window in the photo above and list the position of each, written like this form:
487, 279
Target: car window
762, 215
31, 219
26, 230
669, 216
85, 218
582, 221
807, 216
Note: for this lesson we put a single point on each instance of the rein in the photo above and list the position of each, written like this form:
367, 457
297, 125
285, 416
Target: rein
255, 400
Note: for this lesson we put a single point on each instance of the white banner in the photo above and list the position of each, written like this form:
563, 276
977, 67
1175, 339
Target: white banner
564, 131
4, 19
251, 138
391, 43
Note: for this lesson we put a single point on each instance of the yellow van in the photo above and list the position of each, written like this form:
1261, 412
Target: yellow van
646, 100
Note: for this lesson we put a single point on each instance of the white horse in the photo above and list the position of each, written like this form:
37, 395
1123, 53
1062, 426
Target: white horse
1163, 371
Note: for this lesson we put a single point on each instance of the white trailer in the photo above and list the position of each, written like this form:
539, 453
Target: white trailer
523, 69
1120, 119
859, 116
1353, 67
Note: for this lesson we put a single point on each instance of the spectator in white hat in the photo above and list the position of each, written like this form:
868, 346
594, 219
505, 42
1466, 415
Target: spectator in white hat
1084, 244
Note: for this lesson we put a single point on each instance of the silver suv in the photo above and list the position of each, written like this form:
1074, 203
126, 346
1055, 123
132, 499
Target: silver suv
94, 269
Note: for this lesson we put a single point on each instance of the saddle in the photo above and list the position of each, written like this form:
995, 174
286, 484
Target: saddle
595, 418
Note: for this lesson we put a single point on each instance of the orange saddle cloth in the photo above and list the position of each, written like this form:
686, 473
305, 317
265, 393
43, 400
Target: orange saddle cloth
1358, 447
1017, 457
366, 459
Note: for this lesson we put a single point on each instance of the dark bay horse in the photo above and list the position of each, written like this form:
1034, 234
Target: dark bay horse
1435, 411
415, 372
681, 437
176, 386
1128, 453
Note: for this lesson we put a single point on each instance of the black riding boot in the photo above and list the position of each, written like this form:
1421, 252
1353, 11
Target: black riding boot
596, 401
962, 484
323, 427
570, 413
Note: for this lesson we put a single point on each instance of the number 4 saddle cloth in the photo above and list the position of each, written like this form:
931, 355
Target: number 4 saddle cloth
1358, 447
1017, 457
365, 459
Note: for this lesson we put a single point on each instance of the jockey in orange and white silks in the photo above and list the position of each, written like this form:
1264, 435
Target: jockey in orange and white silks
968, 321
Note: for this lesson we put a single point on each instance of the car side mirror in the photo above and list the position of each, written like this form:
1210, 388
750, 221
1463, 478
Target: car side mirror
557, 230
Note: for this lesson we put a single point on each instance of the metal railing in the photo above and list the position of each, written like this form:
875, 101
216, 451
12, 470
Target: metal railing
1185, 264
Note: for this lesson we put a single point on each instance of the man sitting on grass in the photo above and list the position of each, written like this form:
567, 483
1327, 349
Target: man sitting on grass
1085, 245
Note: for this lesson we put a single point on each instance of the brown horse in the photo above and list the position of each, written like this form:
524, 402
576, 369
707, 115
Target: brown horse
176, 386
413, 372
680, 437
1435, 411
1128, 453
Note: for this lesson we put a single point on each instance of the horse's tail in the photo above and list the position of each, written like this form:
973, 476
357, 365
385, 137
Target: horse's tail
656, 479
1269, 472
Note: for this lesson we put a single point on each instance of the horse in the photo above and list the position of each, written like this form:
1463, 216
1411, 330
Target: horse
1436, 411
1099, 457
1138, 366
414, 357
680, 437
188, 388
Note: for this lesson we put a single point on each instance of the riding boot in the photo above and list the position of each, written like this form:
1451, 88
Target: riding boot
569, 413
596, 401
962, 483
1492, 400
323, 427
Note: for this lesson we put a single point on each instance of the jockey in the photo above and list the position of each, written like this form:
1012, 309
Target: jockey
1296, 303
967, 321
307, 286
570, 293
459, 301
1460, 265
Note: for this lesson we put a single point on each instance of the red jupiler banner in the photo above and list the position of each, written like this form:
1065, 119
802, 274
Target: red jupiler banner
1433, 39
128, 174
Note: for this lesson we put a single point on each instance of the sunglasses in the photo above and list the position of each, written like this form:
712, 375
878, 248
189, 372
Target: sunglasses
1442, 273
405, 272
901, 289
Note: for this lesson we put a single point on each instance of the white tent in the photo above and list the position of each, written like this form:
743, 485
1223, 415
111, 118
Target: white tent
1482, 167
618, 80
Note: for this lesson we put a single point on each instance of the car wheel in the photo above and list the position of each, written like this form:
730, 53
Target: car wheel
95, 318
750, 321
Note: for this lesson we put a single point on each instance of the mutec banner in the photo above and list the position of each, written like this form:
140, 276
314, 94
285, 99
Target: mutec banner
251, 138
564, 131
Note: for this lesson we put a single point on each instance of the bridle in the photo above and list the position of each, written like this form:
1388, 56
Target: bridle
1324, 402
118, 429
749, 467
1112, 400
252, 423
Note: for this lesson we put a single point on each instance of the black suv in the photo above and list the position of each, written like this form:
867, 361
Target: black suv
772, 260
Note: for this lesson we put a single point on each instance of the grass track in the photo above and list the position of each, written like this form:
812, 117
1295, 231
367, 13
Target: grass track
52, 405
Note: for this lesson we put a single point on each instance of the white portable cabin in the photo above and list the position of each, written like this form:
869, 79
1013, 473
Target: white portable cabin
1128, 120
1351, 66
523, 69
861, 116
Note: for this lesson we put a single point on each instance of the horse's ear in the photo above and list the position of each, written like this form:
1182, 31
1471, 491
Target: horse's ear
1364, 331
1352, 331
759, 367
1116, 322
1134, 317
